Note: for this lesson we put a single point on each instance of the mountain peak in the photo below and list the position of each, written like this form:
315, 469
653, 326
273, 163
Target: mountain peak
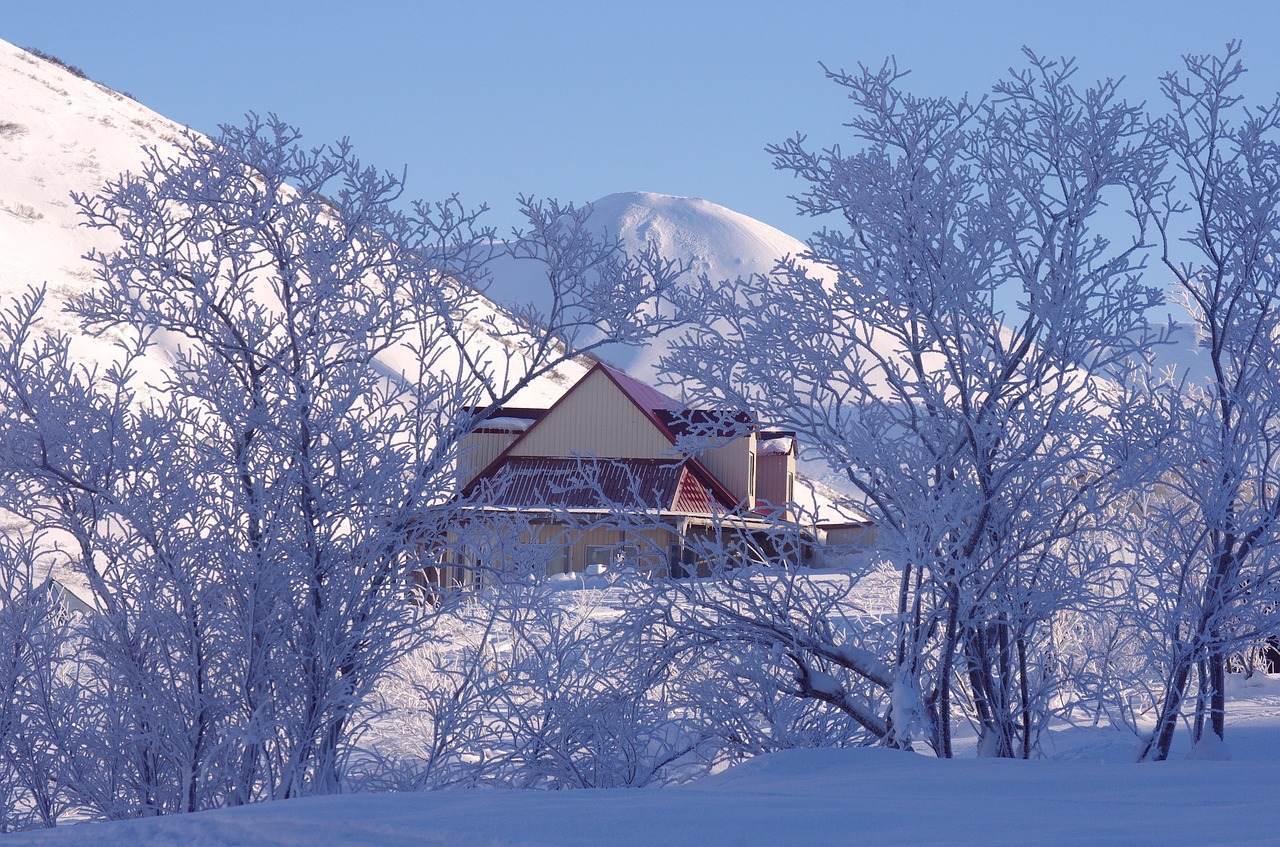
717, 242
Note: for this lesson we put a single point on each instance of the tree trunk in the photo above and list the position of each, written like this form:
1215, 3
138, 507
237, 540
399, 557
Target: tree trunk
1157, 747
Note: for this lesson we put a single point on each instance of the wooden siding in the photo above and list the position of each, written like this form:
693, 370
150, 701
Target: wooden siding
478, 450
773, 473
560, 541
595, 419
731, 464
851, 535
560, 546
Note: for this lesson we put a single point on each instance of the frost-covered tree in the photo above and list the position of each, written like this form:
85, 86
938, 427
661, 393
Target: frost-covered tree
946, 346
1212, 574
39, 743
535, 684
246, 522
621, 679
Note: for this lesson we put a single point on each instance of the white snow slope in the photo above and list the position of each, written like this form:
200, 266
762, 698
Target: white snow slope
722, 244
713, 241
60, 133
1087, 794
717, 243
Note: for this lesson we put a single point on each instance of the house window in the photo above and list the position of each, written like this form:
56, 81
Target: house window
599, 555
612, 555
555, 556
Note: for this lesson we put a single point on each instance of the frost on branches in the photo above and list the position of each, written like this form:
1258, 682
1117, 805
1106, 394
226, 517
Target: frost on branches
1208, 557
1061, 528
247, 525
956, 366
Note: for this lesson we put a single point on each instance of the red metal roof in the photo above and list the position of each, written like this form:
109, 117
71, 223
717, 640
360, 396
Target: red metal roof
535, 482
694, 497
673, 418
645, 396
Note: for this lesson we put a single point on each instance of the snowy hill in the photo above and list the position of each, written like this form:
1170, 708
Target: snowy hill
1088, 793
715, 242
718, 242
721, 244
60, 133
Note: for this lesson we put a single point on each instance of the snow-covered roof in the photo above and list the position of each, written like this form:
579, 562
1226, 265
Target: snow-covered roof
775, 446
505, 424
574, 483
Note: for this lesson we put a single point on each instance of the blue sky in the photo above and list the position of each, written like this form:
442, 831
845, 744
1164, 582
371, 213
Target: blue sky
581, 99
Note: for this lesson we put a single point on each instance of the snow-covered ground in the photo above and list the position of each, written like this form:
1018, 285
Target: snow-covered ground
1086, 789
1086, 793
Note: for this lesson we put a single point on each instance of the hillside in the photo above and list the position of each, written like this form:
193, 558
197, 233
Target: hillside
715, 243
1088, 792
59, 134
720, 244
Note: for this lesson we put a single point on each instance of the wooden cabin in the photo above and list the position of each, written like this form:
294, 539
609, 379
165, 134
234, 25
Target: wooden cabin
616, 471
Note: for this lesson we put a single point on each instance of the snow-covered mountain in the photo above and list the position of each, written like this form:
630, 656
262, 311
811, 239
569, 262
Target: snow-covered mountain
717, 242
714, 242
61, 133
720, 244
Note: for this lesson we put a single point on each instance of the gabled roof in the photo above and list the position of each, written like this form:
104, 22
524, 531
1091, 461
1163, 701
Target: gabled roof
645, 396
672, 417
653, 404
659, 485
